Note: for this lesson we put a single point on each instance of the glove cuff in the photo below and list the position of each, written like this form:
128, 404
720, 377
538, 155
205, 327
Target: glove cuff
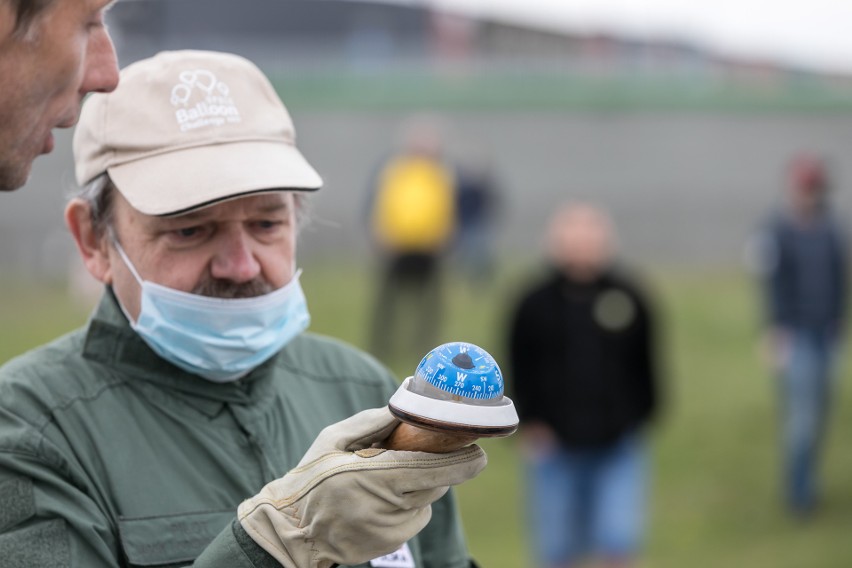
271, 528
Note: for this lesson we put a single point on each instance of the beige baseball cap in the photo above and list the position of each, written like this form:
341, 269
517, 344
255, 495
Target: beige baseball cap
187, 129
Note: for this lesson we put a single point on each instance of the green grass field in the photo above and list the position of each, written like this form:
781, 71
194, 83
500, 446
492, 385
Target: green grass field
714, 501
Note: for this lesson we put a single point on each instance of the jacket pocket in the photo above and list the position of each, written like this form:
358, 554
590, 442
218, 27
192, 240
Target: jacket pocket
170, 540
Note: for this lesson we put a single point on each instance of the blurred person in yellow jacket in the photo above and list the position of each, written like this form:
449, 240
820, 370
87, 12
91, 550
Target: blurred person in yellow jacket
412, 222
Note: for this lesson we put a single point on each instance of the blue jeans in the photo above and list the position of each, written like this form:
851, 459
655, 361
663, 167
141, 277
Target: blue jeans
588, 502
805, 392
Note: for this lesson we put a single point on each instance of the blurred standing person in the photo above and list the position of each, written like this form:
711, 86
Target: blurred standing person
804, 278
412, 219
478, 203
581, 347
52, 53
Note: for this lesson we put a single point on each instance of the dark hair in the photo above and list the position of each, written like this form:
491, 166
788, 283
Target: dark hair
25, 12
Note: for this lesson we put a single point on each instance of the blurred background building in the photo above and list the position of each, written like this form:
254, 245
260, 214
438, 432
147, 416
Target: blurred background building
684, 145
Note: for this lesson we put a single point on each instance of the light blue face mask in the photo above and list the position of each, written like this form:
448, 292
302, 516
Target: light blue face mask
219, 339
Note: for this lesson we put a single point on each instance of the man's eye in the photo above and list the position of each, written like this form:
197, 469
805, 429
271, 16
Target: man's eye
97, 21
266, 225
188, 232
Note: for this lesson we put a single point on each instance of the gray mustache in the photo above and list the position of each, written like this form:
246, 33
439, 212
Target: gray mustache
215, 288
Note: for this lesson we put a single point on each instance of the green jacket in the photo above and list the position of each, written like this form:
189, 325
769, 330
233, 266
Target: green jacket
111, 456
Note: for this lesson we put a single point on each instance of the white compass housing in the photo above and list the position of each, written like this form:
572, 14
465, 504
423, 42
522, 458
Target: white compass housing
421, 404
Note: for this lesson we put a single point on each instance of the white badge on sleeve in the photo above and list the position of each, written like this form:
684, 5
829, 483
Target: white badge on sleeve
402, 558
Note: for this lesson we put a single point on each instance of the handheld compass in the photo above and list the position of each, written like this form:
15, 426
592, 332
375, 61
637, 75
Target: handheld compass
456, 394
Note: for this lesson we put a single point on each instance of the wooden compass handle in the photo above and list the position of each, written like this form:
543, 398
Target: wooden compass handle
414, 439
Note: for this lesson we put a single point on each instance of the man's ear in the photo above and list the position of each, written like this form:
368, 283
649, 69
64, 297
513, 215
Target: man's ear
93, 247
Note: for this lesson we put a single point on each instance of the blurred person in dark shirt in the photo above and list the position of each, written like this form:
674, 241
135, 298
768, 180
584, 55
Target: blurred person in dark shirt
803, 262
478, 208
585, 384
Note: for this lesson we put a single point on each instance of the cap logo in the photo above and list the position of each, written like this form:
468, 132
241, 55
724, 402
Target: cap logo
202, 100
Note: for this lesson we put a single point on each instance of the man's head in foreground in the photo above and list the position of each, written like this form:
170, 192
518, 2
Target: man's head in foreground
52, 53
192, 184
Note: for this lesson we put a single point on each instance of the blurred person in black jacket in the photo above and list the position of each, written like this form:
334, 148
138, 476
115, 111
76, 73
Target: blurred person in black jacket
585, 385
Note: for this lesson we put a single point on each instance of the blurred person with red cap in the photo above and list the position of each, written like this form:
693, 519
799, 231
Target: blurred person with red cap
803, 269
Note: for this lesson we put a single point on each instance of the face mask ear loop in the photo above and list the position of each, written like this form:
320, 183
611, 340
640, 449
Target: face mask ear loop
130, 267
123, 256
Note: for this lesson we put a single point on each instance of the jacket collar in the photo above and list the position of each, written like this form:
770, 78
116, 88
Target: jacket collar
110, 340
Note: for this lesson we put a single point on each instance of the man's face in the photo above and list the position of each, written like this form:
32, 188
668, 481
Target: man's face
44, 74
580, 241
240, 248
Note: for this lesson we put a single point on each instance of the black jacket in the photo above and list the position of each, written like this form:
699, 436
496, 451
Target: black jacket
581, 358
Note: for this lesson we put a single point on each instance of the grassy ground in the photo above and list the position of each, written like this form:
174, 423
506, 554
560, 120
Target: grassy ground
715, 486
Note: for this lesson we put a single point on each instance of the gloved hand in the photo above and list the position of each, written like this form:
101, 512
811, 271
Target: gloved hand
346, 502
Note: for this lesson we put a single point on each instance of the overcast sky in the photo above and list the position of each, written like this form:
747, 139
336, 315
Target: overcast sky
815, 33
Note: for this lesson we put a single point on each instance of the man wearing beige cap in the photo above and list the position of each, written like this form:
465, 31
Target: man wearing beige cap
52, 52
192, 421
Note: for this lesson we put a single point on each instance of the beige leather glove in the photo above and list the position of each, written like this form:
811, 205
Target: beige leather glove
346, 502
